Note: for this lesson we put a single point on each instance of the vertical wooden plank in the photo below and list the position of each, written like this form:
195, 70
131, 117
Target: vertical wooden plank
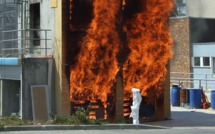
159, 108
119, 113
119, 110
167, 110
65, 100
162, 104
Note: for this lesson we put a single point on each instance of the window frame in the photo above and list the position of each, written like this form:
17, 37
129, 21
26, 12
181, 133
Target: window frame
213, 66
194, 61
201, 58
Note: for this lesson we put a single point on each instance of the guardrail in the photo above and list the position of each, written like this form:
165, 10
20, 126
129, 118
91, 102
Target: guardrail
13, 46
193, 80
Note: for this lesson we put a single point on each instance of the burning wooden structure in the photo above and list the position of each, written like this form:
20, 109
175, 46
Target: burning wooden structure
109, 47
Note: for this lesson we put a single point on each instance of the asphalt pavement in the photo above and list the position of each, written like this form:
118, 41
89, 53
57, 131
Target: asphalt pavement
182, 117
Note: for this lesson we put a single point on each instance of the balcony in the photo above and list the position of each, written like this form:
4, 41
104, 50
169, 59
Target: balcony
24, 43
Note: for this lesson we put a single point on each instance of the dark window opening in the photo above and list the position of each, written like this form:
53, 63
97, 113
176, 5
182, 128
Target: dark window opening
35, 23
81, 14
202, 30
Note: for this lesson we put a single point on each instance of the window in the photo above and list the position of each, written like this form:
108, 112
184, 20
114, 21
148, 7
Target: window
206, 61
197, 61
201, 61
213, 69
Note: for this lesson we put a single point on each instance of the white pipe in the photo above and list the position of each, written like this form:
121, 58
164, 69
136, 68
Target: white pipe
20, 97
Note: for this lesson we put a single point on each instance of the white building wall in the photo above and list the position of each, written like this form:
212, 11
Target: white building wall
47, 15
201, 8
47, 18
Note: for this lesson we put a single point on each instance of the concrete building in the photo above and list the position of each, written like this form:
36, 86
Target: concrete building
26, 56
193, 33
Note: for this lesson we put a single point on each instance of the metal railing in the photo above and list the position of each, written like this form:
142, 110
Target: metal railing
193, 80
14, 45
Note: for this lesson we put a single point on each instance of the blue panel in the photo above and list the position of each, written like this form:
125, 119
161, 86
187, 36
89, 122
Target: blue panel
204, 49
9, 61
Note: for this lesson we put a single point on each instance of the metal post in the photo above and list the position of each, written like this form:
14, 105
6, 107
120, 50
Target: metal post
3, 44
3, 27
20, 99
1, 96
46, 43
22, 34
200, 83
206, 76
12, 44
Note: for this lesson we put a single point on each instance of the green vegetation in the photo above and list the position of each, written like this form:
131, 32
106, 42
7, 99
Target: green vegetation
81, 116
13, 121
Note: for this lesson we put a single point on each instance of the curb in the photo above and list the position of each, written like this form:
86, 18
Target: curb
81, 127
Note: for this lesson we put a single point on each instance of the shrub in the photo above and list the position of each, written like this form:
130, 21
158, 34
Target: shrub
81, 116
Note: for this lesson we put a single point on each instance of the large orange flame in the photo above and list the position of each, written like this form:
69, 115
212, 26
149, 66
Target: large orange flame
150, 43
95, 71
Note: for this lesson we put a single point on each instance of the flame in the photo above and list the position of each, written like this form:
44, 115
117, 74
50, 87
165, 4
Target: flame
95, 71
123, 3
70, 8
148, 40
150, 43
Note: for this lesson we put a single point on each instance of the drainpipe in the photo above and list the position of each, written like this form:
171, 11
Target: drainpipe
21, 75
23, 16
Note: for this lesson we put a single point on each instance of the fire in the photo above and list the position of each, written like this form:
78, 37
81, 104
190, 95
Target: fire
95, 71
143, 28
150, 43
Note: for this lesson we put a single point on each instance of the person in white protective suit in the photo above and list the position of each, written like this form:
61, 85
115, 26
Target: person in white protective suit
135, 105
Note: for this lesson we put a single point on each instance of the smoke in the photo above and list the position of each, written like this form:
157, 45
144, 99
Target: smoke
199, 28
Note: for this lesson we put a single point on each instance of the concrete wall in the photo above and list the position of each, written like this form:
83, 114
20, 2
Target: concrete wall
201, 8
180, 32
61, 82
37, 72
58, 55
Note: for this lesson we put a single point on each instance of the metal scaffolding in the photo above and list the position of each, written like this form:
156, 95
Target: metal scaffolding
15, 34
